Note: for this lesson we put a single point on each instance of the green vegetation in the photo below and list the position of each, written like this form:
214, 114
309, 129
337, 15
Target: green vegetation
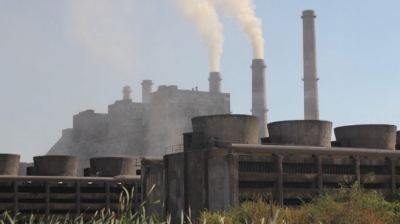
350, 205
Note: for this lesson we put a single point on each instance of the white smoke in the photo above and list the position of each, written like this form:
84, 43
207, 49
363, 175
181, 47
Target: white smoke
242, 11
205, 18
101, 27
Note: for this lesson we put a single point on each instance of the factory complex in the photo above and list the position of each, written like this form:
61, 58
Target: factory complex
185, 149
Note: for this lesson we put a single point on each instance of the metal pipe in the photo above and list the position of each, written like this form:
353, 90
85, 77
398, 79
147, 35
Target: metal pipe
286, 149
115, 179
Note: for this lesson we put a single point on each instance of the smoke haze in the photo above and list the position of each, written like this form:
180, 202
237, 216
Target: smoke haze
205, 18
101, 26
242, 11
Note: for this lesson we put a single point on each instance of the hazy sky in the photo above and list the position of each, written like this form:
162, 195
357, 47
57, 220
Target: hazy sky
58, 58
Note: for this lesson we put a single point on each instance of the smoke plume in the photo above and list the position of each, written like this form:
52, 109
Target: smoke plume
101, 27
204, 16
242, 11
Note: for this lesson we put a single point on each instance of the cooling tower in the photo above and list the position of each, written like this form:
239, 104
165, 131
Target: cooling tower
224, 128
398, 138
111, 166
301, 132
126, 93
55, 165
9, 164
146, 90
311, 106
215, 82
373, 136
258, 103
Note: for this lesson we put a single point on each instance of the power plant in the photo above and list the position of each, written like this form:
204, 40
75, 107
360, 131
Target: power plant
187, 147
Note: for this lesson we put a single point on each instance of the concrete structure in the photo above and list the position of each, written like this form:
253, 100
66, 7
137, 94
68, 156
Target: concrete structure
301, 132
9, 164
44, 196
138, 129
170, 113
226, 174
174, 172
111, 166
215, 82
311, 105
370, 136
398, 138
23, 168
55, 165
258, 102
146, 90
214, 130
153, 182
127, 93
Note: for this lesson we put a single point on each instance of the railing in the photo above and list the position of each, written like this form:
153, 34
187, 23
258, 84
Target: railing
174, 149
45, 195
210, 143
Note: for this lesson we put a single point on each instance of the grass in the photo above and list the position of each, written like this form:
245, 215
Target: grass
351, 205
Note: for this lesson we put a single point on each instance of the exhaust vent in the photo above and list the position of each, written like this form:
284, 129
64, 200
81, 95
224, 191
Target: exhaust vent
217, 130
55, 165
9, 164
301, 132
370, 136
111, 166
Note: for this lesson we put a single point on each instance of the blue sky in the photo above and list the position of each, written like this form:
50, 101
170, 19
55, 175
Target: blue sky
61, 57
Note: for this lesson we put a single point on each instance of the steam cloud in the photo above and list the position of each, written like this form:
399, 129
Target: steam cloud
204, 16
100, 26
242, 11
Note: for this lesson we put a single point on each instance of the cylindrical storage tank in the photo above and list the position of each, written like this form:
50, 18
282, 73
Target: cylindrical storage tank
301, 132
112, 166
224, 128
373, 136
54, 165
9, 164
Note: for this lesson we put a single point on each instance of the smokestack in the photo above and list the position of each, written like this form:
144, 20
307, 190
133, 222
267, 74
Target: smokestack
259, 104
126, 93
215, 82
311, 107
146, 90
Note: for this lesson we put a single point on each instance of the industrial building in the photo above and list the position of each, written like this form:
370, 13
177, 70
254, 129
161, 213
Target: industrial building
138, 129
217, 159
298, 161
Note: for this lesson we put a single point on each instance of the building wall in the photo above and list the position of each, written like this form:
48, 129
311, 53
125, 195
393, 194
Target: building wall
171, 111
125, 117
89, 125
137, 129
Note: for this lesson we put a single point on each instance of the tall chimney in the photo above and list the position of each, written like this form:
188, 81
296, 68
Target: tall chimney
259, 104
126, 93
146, 90
311, 107
215, 82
